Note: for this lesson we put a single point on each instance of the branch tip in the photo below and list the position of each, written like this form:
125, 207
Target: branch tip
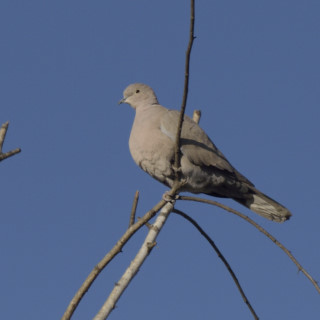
221, 256
261, 229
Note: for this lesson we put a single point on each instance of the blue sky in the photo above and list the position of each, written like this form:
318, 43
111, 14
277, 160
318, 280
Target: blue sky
65, 200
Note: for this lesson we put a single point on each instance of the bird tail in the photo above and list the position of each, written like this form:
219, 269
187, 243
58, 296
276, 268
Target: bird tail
265, 206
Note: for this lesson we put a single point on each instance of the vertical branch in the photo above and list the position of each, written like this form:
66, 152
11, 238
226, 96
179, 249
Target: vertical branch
196, 116
177, 154
134, 209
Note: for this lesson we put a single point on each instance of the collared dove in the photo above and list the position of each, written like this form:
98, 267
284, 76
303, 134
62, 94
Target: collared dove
203, 167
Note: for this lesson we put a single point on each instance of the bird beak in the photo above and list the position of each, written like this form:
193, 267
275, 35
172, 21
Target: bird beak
122, 101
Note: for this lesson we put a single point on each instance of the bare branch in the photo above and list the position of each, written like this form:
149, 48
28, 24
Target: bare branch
220, 255
111, 254
135, 265
9, 154
3, 132
177, 154
266, 233
134, 209
196, 116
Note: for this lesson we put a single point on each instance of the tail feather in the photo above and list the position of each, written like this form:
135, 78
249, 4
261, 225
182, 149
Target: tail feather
265, 206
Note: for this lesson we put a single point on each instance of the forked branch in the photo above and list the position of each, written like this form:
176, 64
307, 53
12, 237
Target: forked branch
108, 257
3, 132
136, 263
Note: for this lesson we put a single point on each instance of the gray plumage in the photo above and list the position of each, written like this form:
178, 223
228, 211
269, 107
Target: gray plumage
204, 167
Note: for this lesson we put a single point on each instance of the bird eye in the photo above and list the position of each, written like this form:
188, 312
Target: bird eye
137, 91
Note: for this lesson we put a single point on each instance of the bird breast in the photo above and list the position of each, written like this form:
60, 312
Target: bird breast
151, 149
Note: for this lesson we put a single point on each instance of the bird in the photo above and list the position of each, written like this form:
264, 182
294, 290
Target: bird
204, 169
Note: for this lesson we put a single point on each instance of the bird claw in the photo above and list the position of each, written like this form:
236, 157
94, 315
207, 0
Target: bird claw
168, 197
184, 181
176, 170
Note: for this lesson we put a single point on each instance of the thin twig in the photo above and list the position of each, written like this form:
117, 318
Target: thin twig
266, 233
3, 132
220, 255
177, 154
134, 209
9, 154
196, 116
136, 263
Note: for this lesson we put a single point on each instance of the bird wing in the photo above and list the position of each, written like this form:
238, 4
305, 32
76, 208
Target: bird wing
196, 145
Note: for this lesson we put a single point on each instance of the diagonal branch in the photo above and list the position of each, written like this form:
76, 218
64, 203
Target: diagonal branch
256, 225
112, 253
136, 263
220, 255
108, 257
3, 132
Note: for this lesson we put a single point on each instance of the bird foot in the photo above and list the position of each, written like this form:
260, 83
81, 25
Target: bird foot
176, 170
169, 198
